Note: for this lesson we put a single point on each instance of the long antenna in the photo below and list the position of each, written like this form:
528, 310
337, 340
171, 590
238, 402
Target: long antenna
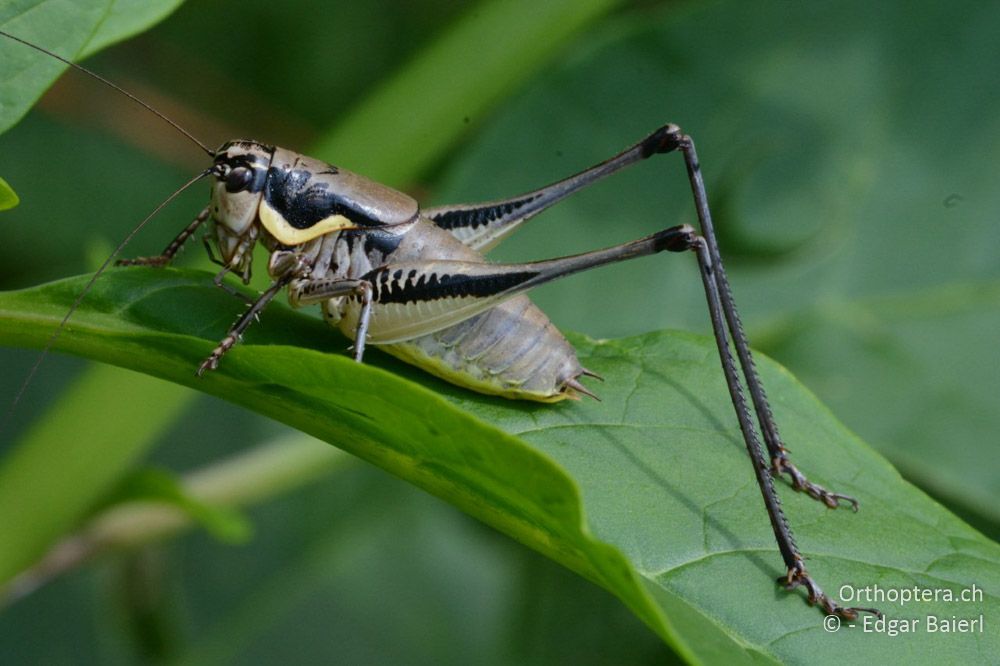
103, 80
90, 283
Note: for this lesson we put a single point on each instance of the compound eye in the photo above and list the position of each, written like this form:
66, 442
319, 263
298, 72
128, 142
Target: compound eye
238, 179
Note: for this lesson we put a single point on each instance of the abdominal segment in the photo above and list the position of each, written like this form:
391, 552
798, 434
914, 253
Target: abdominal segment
511, 350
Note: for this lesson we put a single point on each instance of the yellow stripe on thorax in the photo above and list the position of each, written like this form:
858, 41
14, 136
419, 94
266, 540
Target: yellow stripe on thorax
286, 234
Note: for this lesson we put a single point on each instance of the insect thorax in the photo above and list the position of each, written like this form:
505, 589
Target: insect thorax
290, 200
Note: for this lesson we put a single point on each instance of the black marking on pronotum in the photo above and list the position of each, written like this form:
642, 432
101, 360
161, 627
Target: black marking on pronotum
432, 287
303, 200
477, 217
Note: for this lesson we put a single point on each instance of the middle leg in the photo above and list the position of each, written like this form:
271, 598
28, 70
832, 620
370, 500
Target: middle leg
307, 290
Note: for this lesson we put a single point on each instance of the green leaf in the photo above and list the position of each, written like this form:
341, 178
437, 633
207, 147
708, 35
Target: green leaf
124, 18
648, 493
8, 197
851, 165
72, 30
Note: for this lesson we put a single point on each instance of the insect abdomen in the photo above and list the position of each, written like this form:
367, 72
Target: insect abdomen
511, 350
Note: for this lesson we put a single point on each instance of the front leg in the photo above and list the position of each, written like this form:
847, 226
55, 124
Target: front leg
172, 249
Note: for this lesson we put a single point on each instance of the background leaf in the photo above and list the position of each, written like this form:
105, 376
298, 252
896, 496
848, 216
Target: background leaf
72, 30
689, 560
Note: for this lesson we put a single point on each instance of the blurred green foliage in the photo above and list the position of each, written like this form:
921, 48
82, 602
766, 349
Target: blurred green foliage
850, 150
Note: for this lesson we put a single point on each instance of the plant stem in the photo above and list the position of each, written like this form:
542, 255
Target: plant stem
249, 478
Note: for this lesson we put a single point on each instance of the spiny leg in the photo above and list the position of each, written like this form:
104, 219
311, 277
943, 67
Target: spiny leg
306, 291
237, 329
780, 463
796, 574
485, 284
172, 249
175, 246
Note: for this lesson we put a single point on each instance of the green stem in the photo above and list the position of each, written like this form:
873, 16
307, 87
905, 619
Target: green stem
250, 478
